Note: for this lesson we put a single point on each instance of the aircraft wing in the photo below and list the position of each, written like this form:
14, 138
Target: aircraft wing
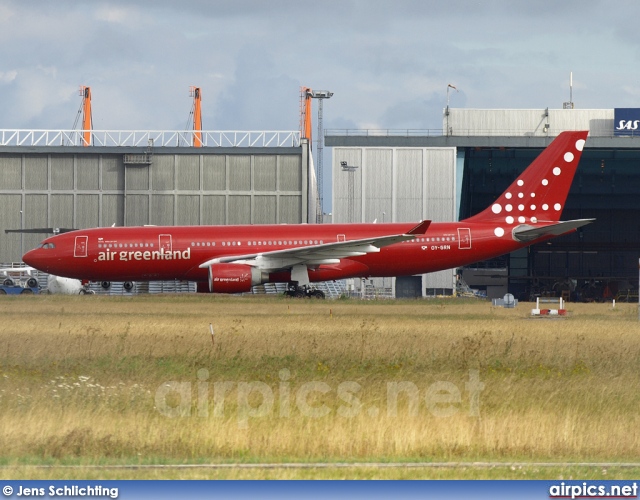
41, 230
529, 233
327, 253
15, 270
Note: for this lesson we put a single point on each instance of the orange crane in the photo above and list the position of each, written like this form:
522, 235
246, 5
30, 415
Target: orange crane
87, 121
305, 112
197, 115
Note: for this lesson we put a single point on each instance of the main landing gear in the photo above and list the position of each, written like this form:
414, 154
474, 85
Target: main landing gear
303, 292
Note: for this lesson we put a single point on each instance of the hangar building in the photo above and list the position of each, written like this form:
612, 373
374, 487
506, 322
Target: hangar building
410, 175
138, 178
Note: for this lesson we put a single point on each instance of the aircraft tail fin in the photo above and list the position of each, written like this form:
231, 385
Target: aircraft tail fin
540, 192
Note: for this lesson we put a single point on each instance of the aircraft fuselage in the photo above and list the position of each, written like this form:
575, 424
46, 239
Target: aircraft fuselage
162, 253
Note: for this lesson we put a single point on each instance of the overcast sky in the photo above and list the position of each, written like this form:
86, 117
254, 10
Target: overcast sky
387, 62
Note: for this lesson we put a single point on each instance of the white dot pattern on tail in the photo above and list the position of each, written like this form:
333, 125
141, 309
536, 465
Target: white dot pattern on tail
497, 208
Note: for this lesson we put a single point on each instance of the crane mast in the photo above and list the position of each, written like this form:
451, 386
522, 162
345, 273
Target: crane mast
305, 113
87, 120
196, 93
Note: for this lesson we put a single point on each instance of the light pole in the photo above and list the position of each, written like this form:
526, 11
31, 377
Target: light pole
350, 169
321, 95
21, 236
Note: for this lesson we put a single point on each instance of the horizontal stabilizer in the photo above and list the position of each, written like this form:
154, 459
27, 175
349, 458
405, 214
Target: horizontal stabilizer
530, 233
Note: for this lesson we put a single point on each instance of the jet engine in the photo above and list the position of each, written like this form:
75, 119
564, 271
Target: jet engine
233, 278
67, 286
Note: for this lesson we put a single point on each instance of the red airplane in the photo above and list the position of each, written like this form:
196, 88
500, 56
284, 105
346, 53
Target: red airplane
231, 259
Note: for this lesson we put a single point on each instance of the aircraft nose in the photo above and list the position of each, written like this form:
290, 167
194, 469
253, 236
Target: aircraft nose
34, 259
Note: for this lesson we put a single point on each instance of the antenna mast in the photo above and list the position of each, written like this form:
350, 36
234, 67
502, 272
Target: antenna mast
571, 88
569, 105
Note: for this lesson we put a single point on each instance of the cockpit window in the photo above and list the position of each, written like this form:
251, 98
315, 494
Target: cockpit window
48, 245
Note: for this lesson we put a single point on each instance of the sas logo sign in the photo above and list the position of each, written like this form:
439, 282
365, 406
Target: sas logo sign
626, 121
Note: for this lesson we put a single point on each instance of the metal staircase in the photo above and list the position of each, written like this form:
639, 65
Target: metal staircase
331, 289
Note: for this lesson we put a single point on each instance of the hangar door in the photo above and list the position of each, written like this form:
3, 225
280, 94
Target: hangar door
408, 287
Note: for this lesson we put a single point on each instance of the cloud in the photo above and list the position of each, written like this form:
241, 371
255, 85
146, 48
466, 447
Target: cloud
388, 63
8, 76
259, 97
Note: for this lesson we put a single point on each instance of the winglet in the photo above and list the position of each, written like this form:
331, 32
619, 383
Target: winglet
420, 228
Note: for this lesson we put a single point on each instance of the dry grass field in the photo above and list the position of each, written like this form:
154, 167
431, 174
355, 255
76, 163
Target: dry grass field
137, 380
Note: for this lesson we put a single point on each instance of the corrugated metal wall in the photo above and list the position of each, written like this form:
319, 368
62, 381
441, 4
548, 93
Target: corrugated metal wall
399, 185
90, 190
527, 122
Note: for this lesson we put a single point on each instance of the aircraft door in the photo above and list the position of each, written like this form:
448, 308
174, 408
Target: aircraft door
464, 238
164, 243
80, 248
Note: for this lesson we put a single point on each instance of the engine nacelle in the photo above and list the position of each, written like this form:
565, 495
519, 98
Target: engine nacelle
67, 286
232, 278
